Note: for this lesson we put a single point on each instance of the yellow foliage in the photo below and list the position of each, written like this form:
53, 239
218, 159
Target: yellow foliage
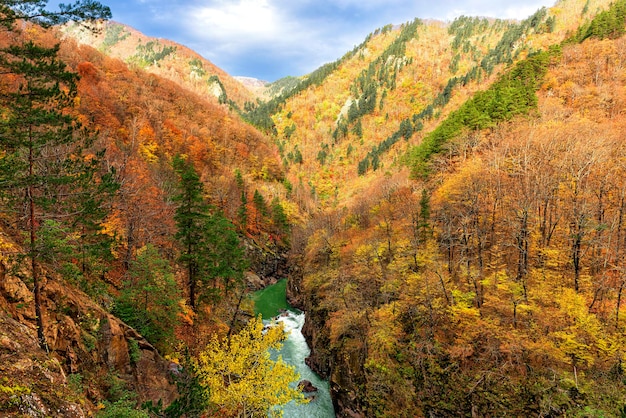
584, 340
385, 331
148, 151
242, 378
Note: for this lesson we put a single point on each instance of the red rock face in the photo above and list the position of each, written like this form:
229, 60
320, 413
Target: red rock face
87, 346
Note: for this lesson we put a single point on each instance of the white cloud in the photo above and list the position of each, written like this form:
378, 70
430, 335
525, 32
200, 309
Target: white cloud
251, 20
273, 35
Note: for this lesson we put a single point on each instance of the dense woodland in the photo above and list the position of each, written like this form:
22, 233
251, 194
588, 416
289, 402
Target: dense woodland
448, 199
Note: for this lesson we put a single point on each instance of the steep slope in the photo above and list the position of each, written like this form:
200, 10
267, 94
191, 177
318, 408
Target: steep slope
453, 257
488, 284
361, 113
93, 355
166, 59
143, 121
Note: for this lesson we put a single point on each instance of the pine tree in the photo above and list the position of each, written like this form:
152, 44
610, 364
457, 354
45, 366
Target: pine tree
35, 11
149, 299
43, 170
190, 217
224, 257
210, 247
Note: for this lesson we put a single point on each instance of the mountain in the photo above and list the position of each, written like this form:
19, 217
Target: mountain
447, 200
251, 83
465, 223
140, 122
165, 58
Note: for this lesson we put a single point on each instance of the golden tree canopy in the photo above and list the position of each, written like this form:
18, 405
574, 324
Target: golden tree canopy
242, 378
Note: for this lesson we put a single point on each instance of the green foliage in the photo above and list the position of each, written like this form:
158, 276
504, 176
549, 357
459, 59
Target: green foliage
607, 24
279, 218
372, 158
123, 408
75, 382
151, 54
381, 73
224, 259
197, 68
134, 353
513, 94
259, 113
190, 215
149, 299
35, 11
210, 247
114, 34
11, 394
121, 402
223, 98
193, 401
259, 203
44, 168
282, 86
289, 130
464, 27
503, 52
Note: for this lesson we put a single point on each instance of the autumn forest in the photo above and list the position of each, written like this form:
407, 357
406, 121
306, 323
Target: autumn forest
447, 202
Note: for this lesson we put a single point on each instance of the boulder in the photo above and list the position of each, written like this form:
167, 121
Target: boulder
306, 386
254, 281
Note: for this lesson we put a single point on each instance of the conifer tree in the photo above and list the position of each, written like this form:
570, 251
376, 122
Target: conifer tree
190, 216
210, 246
44, 172
36, 11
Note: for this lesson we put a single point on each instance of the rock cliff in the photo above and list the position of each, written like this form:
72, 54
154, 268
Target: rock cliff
90, 353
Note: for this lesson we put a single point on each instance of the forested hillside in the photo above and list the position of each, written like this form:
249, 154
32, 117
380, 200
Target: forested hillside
469, 260
133, 214
447, 199
164, 58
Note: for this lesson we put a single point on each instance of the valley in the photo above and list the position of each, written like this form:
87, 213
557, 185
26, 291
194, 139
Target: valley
446, 201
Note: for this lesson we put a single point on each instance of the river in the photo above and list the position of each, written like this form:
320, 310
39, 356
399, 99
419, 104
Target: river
271, 302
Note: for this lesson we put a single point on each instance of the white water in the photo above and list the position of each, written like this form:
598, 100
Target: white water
294, 351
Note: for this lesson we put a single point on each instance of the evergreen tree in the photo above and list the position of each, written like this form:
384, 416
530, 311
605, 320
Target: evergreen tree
210, 247
223, 255
44, 172
149, 299
190, 217
279, 218
242, 212
259, 203
35, 11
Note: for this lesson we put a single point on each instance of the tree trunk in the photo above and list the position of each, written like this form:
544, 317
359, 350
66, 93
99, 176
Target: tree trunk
33, 257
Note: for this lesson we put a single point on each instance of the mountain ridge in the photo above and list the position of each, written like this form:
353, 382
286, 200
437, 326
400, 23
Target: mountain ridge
450, 197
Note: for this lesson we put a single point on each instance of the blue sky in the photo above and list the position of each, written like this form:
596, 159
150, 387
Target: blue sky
270, 39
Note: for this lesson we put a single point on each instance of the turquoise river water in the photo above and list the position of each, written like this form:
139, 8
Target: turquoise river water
271, 302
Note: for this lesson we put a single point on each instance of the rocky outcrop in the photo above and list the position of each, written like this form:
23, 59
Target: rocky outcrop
306, 386
88, 348
269, 264
342, 367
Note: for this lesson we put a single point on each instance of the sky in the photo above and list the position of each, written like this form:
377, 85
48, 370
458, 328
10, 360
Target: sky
271, 39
